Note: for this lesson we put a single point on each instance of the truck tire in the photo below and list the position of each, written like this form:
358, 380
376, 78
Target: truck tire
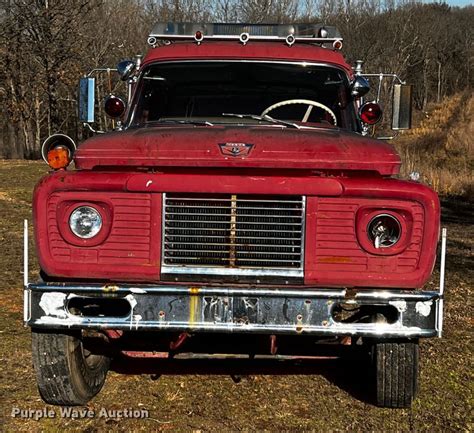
396, 368
66, 373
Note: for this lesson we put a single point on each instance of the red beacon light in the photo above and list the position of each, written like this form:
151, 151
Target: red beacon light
114, 106
370, 113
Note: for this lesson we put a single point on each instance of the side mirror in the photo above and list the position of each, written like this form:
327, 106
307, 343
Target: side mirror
86, 99
359, 87
401, 110
125, 69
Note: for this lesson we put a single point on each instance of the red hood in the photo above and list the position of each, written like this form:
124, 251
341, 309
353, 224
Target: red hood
273, 147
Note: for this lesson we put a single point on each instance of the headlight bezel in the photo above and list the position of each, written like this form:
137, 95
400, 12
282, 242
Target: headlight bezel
402, 214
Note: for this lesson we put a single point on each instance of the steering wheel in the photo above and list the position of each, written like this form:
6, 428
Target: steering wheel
307, 102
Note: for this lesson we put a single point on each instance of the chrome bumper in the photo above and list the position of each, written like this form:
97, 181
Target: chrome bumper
232, 309
229, 310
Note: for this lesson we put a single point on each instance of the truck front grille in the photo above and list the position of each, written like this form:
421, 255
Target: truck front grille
228, 234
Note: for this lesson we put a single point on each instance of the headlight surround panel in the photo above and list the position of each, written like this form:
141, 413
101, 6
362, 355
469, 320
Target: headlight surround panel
67, 213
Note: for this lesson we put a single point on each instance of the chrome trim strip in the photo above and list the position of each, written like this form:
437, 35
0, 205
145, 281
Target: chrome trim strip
215, 270
247, 290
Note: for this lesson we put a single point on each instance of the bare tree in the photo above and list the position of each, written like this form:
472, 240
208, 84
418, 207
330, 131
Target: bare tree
46, 45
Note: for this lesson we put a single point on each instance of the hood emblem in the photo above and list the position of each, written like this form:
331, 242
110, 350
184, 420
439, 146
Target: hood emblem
235, 149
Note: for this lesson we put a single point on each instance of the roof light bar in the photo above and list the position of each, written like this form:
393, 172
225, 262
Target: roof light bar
326, 36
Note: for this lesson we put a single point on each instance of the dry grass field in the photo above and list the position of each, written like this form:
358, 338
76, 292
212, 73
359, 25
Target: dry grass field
441, 147
335, 396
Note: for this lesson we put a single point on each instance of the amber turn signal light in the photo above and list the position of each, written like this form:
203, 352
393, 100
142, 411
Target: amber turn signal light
59, 157
58, 150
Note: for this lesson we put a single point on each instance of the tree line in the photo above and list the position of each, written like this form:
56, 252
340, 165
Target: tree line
46, 45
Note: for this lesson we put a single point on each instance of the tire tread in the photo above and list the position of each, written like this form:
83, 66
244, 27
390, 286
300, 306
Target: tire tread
56, 372
396, 365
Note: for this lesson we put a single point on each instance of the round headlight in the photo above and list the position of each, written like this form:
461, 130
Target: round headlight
384, 231
85, 222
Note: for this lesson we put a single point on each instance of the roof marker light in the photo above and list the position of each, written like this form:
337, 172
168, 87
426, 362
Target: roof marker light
290, 40
198, 37
244, 38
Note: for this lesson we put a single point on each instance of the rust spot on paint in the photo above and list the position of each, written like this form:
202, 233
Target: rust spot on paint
335, 260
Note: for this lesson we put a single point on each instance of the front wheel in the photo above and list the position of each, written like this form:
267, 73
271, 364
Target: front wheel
396, 368
67, 374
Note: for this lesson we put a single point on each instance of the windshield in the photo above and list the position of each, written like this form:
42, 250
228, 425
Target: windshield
210, 92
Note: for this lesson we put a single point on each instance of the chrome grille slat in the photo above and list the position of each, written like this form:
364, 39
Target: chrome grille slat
207, 233
226, 260
242, 230
270, 253
241, 200
250, 208
220, 237
228, 244
240, 222
238, 213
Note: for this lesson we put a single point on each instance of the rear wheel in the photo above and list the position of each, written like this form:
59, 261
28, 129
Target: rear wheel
66, 372
396, 368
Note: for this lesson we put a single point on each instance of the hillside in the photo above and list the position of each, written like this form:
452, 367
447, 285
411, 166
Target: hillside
441, 147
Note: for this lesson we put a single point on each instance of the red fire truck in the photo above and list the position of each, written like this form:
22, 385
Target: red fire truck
240, 205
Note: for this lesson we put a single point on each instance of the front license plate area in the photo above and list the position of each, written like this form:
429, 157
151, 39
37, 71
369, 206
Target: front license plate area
239, 310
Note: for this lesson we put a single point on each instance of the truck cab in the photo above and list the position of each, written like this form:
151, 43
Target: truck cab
239, 206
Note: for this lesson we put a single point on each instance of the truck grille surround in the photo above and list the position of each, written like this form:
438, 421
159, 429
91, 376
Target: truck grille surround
233, 234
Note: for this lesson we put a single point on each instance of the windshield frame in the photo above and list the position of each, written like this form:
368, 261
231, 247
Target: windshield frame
128, 122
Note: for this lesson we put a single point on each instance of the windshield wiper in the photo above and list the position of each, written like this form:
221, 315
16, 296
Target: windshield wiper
263, 119
184, 122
